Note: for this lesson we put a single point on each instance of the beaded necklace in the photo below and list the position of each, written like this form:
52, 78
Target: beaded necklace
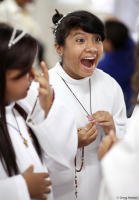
89, 118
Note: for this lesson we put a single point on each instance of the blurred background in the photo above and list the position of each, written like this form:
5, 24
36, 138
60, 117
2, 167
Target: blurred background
41, 12
126, 10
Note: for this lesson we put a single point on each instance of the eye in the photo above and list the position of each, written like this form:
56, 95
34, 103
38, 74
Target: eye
97, 39
80, 40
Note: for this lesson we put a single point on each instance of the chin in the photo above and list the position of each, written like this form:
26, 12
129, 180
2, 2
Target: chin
23, 96
87, 74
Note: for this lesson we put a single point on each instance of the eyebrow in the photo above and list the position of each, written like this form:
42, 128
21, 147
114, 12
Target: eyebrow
78, 33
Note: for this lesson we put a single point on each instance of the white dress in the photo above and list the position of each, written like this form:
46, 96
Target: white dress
58, 144
120, 166
106, 96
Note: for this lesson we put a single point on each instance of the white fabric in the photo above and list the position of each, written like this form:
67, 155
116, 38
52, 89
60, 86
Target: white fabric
120, 167
13, 188
58, 144
106, 96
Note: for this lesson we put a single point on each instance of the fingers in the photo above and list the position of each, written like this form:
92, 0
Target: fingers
105, 120
92, 131
93, 136
41, 77
87, 135
101, 116
47, 183
44, 69
105, 124
88, 126
42, 174
47, 190
43, 92
29, 169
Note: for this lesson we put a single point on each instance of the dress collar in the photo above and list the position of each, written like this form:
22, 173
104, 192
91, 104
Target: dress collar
10, 106
61, 72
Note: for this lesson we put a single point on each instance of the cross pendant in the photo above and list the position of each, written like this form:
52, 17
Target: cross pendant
25, 142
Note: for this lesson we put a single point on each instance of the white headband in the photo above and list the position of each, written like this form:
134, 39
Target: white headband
15, 39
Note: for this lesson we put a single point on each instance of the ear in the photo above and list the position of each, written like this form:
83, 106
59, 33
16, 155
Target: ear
107, 44
59, 49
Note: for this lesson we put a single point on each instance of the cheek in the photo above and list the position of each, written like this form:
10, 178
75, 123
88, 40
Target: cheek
100, 51
26, 80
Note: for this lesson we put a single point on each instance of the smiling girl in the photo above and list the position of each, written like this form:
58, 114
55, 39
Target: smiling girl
93, 96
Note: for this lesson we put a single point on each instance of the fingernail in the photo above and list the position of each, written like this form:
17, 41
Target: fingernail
99, 123
93, 121
89, 117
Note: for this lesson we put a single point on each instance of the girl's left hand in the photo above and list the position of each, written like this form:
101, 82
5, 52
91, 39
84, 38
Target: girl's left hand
46, 93
105, 120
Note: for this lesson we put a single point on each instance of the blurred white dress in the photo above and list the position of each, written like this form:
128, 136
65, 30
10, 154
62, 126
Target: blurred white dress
120, 166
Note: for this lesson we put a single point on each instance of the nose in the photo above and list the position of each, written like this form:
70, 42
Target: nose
91, 47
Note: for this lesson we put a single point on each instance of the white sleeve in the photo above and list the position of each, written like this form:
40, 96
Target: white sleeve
14, 188
119, 111
57, 135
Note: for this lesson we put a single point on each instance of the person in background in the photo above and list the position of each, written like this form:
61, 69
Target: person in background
17, 14
120, 162
119, 58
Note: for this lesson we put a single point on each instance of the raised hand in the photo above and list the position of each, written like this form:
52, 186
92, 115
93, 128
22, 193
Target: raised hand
46, 93
107, 143
87, 134
105, 120
37, 183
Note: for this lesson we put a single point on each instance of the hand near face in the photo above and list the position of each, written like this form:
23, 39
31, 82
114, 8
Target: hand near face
107, 143
46, 93
37, 183
105, 120
87, 134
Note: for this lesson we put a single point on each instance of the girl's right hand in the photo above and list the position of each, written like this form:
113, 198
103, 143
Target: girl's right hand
37, 184
87, 134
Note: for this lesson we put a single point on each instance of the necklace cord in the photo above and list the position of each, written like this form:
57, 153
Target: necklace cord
82, 157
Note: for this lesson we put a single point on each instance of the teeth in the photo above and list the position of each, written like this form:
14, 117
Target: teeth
90, 58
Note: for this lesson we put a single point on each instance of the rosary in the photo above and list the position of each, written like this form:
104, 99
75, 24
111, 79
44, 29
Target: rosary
90, 119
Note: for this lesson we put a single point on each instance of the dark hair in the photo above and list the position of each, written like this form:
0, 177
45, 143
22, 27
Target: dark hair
78, 19
117, 33
19, 56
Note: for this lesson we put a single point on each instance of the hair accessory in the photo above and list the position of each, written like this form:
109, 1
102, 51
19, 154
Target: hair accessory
15, 39
58, 23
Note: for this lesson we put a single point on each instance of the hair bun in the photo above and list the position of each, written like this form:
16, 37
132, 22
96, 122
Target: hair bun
56, 17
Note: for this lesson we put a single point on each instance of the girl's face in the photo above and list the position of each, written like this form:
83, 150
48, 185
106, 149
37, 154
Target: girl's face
16, 86
81, 53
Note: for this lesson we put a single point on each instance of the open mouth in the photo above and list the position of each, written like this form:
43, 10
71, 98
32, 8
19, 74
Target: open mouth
88, 62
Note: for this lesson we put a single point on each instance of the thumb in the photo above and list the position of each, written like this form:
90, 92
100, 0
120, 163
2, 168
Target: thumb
30, 169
